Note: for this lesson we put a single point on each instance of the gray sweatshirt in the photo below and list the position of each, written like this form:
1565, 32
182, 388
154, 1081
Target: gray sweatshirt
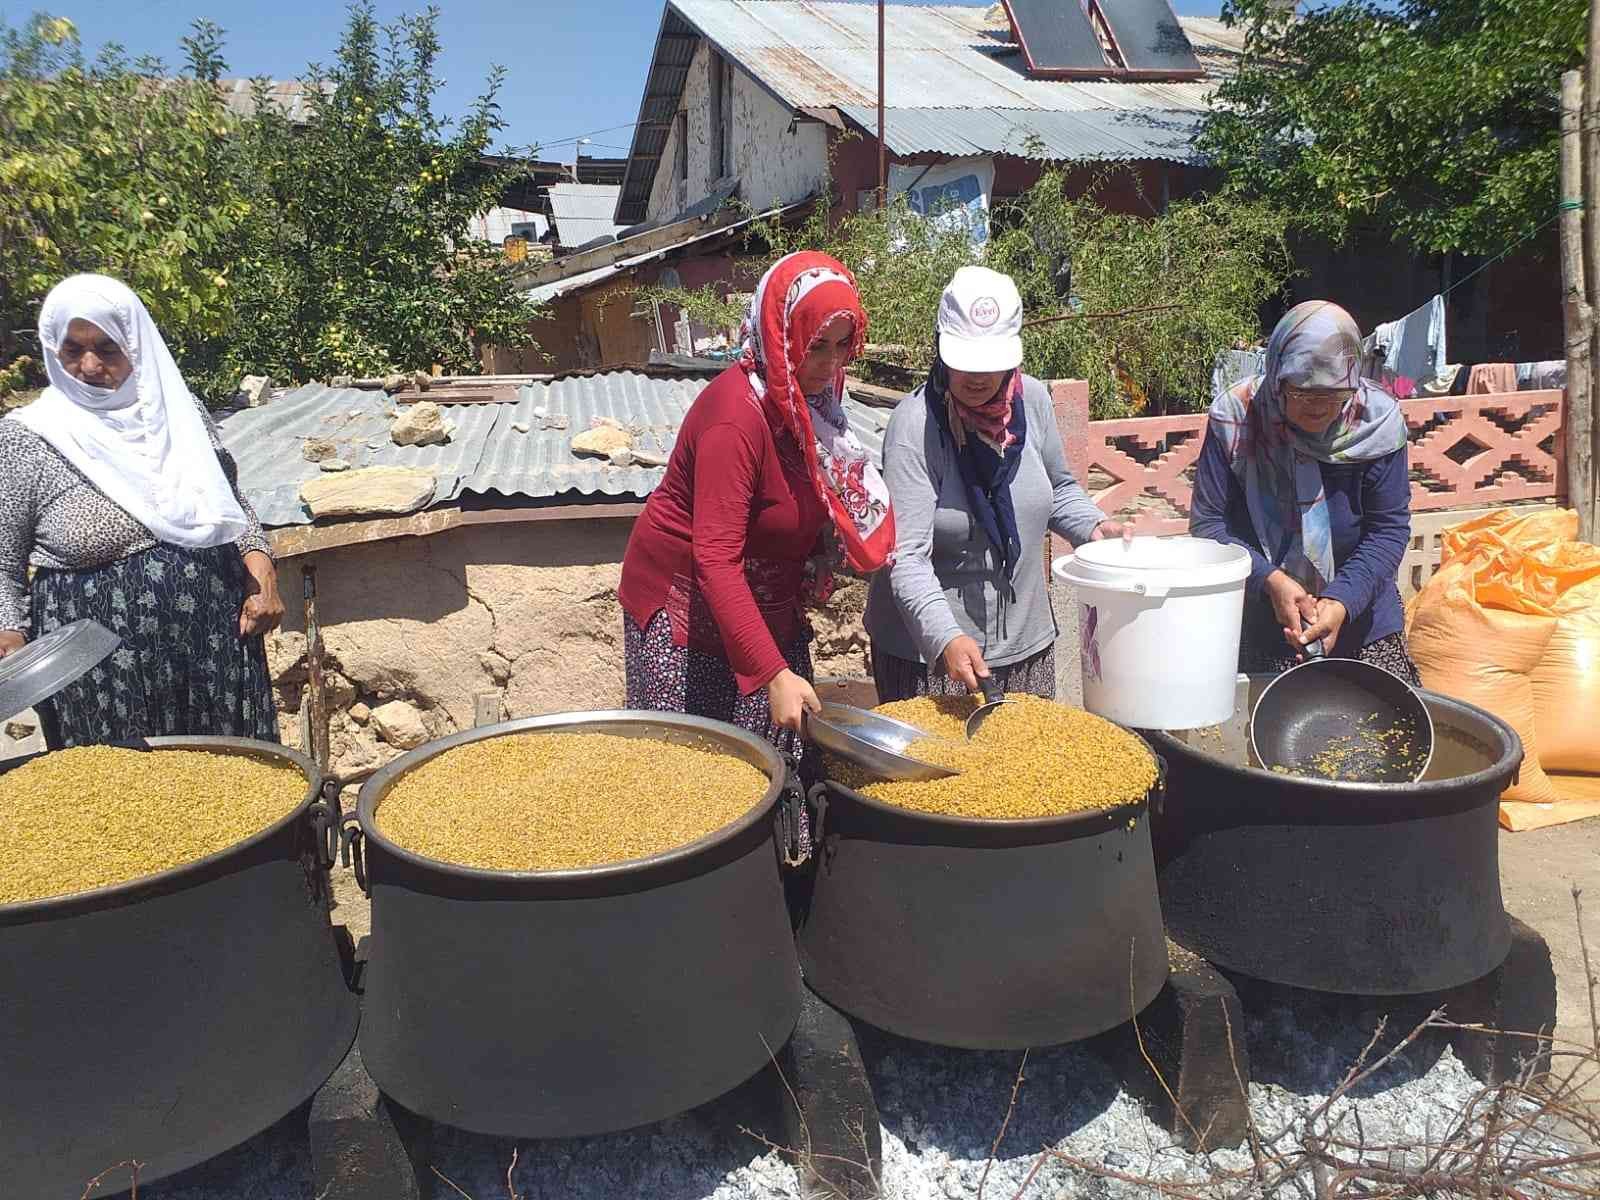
946, 577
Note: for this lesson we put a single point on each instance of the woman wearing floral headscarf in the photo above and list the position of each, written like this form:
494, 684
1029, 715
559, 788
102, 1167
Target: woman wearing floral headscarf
1305, 467
718, 567
117, 493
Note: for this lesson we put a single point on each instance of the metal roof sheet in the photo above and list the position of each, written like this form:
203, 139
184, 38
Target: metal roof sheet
487, 454
583, 211
1107, 135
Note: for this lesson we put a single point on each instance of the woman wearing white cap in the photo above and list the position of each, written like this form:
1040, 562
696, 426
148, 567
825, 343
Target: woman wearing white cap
117, 497
977, 474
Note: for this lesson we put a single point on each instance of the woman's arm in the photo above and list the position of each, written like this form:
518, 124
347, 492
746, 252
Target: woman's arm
17, 518
1073, 513
727, 469
915, 494
1216, 489
1385, 530
263, 606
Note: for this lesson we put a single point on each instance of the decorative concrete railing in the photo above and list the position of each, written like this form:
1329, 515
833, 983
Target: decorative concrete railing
1466, 452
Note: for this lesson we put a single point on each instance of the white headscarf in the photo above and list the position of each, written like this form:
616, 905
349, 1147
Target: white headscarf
144, 444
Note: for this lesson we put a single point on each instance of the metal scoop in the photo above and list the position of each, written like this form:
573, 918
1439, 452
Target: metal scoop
993, 698
872, 741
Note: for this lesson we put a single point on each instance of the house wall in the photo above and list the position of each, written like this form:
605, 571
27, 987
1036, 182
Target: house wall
524, 613
775, 164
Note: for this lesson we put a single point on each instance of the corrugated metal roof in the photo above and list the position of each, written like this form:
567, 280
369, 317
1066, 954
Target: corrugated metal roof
487, 454
291, 97
945, 59
1108, 135
583, 211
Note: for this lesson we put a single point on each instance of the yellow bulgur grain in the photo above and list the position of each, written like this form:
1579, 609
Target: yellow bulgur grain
557, 801
95, 816
1031, 758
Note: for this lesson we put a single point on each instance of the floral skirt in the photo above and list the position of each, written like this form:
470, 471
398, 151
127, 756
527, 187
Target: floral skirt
903, 679
669, 678
182, 668
1258, 656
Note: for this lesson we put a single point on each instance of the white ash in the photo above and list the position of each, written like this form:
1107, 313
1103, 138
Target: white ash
941, 1110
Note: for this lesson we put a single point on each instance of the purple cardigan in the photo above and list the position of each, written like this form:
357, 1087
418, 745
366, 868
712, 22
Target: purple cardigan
1369, 514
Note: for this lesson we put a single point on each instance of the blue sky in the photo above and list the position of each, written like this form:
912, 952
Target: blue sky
573, 66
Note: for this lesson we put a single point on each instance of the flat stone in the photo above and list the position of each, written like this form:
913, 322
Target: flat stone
255, 390
603, 441
396, 382
342, 381
357, 1150
371, 490
18, 730
1194, 1033
318, 449
831, 1112
1515, 1004
335, 465
421, 424
422, 379
360, 713
400, 725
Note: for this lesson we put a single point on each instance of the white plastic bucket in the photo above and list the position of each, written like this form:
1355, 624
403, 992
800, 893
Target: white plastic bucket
1158, 628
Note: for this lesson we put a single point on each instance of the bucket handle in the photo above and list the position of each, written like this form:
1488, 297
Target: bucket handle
351, 853
1154, 591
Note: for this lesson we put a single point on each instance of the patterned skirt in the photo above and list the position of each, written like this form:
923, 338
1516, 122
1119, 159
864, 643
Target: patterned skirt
182, 668
903, 679
665, 677
1258, 656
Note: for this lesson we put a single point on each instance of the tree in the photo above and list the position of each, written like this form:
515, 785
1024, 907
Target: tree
361, 260
1219, 259
1434, 119
115, 167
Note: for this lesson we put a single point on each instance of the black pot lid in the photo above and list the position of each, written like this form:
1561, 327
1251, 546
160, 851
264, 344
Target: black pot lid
43, 667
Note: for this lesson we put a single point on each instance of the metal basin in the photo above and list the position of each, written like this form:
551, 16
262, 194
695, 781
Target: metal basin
1361, 888
984, 934
173, 1017
563, 1003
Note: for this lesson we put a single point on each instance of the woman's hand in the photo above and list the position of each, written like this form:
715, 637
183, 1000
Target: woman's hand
963, 662
1325, 620
1111, 529
1285, 596
790, 698
11, 640
263, 607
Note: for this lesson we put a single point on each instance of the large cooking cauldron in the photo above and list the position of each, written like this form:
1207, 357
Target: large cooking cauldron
559, 1003
984, 934
171, 1018
1369, 889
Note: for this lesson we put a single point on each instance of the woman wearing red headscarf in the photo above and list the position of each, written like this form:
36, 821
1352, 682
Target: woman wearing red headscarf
717, 571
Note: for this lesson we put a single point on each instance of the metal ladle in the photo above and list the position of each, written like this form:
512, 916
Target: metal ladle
993, 698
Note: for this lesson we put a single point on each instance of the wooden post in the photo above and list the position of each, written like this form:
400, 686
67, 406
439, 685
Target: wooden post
883, 153
1579, 311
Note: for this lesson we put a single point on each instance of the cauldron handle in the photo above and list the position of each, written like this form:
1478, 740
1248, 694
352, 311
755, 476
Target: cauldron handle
351, 853
325, 818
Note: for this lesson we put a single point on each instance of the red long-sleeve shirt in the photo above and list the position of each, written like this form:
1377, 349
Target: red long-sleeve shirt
730, 510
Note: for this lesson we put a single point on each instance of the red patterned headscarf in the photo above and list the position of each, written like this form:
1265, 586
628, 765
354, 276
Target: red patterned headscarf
799, 296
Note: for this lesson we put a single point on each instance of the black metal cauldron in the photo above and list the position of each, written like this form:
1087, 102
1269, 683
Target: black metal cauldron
562, 1003
984, 934
1367, 889
171, 1018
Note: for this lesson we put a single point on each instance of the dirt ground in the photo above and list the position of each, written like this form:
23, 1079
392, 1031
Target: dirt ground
1538, 870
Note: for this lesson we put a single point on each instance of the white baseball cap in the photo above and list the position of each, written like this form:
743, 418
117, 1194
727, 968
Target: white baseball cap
980, 322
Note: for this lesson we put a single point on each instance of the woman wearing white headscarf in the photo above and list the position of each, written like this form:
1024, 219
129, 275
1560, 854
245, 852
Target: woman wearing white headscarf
115, 490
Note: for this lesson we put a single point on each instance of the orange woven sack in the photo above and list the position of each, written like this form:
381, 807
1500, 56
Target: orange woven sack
1566, 683
1477, 631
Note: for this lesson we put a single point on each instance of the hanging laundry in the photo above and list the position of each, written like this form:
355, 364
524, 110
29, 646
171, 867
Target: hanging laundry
1441, 384
1492, 378
1410, 348
1542, 376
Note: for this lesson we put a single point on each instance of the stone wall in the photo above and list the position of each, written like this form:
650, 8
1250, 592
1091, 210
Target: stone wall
417, 630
